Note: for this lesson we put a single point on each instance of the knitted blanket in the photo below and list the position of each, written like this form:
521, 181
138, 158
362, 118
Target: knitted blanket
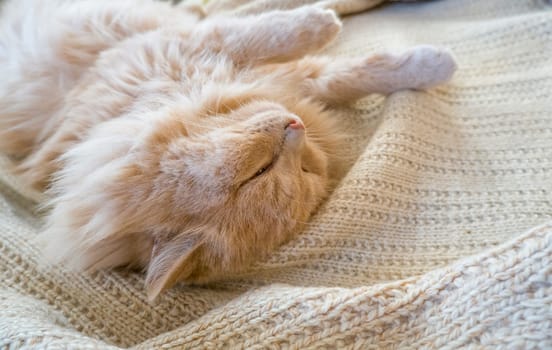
440, 235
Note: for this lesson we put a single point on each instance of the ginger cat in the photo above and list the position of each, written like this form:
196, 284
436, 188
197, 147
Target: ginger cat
185, 146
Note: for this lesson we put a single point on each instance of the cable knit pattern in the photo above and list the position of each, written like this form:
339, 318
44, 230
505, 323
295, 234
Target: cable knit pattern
440, 235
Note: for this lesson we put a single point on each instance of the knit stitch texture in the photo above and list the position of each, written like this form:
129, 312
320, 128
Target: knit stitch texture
440, 235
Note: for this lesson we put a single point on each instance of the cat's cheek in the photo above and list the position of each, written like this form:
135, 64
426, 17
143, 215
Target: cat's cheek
313, 161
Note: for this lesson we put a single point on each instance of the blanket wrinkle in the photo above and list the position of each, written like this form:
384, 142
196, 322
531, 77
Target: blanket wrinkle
439, 236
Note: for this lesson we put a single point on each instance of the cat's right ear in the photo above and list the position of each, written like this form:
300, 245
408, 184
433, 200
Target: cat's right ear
172, 259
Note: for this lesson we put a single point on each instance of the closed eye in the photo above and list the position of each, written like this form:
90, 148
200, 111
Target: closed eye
265, 168
262, 170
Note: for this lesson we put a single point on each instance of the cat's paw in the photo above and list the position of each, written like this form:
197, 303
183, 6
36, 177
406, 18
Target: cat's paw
325, 20
427, 66
318, 27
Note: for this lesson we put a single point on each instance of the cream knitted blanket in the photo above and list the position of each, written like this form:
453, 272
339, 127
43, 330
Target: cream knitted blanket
437, 237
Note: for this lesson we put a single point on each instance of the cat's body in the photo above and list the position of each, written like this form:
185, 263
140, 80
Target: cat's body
189, 147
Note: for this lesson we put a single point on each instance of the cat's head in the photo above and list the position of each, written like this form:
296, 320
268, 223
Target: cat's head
191, 195
227, 189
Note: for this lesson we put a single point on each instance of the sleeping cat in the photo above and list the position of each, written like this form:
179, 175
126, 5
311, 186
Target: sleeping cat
185, 146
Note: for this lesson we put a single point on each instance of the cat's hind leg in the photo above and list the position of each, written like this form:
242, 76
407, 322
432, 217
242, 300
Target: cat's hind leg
343, 81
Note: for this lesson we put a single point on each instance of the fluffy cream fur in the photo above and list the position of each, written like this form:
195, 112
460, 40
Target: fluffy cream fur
183, 145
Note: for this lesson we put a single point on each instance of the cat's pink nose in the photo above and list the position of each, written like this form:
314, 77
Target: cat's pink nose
295, 132
295, 124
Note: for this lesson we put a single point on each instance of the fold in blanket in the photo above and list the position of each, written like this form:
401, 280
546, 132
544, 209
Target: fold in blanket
436, 238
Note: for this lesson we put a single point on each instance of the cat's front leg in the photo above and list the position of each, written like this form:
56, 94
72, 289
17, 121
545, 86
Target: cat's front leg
276, 36
421, 67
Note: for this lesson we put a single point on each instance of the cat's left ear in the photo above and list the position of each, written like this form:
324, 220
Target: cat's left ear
172, 259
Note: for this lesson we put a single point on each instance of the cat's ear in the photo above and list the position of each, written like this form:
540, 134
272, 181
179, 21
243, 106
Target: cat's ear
172, 259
